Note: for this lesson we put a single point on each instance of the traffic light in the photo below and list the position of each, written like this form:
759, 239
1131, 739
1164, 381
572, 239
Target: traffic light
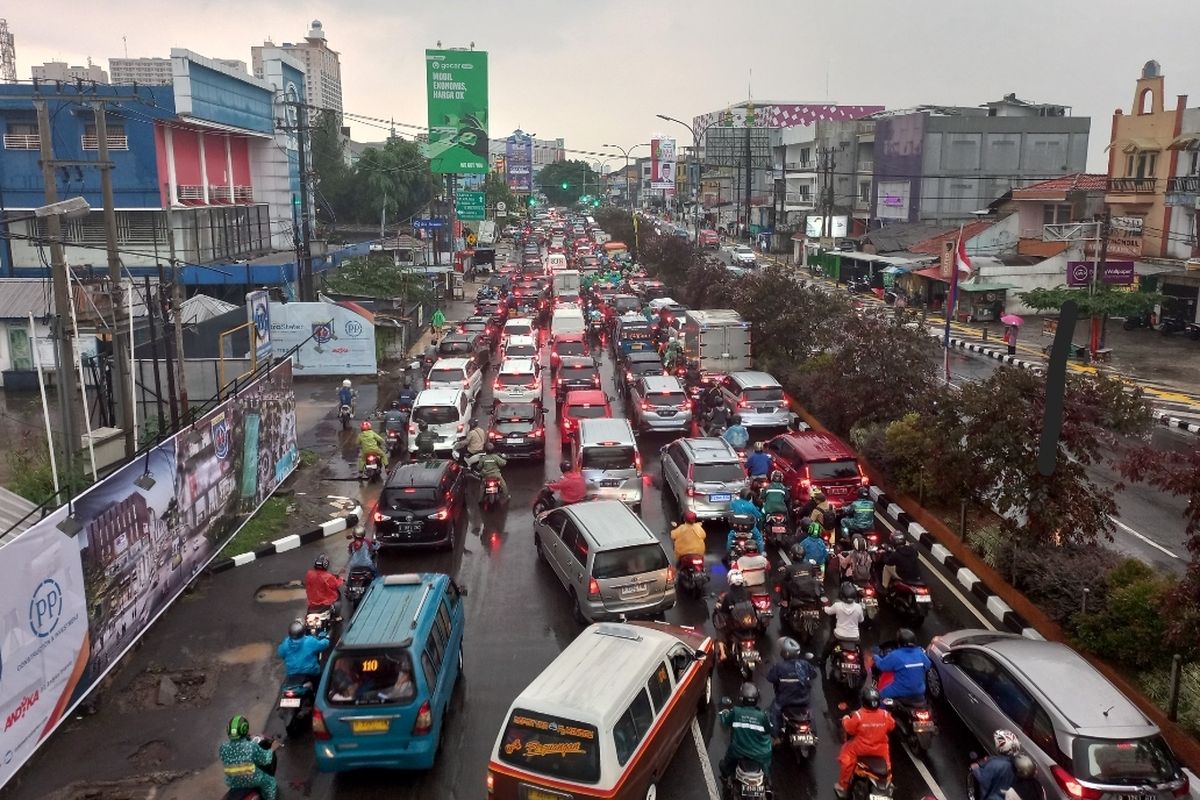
565, 185
532, 201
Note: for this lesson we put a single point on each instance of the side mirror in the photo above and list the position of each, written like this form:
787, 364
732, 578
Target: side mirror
700, 655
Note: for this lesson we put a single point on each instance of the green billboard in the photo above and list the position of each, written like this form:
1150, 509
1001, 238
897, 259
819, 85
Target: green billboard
470, 206
458, 111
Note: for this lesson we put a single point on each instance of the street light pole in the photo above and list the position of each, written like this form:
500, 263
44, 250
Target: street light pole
625, 152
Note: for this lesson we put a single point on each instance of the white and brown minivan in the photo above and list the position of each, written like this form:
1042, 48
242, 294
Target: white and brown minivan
605, 718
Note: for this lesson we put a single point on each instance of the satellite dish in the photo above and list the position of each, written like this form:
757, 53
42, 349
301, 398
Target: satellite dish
1151, 69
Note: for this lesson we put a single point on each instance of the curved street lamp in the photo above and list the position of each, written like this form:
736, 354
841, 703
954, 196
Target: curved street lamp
625, 152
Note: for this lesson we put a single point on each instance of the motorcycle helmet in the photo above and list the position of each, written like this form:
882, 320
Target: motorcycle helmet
748, 694
744, 494
296, 629
818, 496
395, 405
736, 578
565, 467
789, 649
905, 637
898, 539
751, 548
870, 697
776, 476
239, 727
360, 533
321, 562
815, 529
864, 493
424, 426
489, 447
1023, 765
689, 517
848, 592
796, 551
366, 425
758, 447
346, 384
1006, 742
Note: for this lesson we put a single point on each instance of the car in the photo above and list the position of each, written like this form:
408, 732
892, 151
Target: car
709, 239
742, 256
651, 290
757, 398
483, 327
465, 345
580, 404
518, 381
445, 411
420, 505
455, 373
703, 474
811, 459
521, 347
659, 403
1087, 740
639, 364
575, 372
606, 452
621, 304
518, 430
518, 326
567, 344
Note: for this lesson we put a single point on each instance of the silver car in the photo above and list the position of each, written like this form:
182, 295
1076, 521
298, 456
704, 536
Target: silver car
704, 475
1087, 739
659, 403
757, 398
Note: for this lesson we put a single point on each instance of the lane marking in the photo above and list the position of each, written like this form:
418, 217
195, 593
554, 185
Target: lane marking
926, 775
1143, 538
710, 780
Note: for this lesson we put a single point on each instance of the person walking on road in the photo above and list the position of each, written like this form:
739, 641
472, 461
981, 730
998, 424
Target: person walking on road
437, 323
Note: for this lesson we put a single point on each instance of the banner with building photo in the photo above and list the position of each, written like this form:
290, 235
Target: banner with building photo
73, 604
457, 84
333, 338
662, 164
518, 163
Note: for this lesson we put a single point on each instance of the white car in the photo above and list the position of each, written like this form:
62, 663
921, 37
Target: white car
519, 381
521, 347
456, 373
445, 411
743, 256
519, 326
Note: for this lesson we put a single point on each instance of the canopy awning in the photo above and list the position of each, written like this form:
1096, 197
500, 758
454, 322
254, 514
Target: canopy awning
1186, 141
933, 273
985, 286
1133, 145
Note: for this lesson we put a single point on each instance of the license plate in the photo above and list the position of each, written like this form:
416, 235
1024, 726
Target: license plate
802, 738
667, 413
851, 667
765, 409
408, 527
516, 440
610, 483
870, 602
361, 726
637, 590
781, 529
924, 598
289, 702
530, 793
720, 498
874, 796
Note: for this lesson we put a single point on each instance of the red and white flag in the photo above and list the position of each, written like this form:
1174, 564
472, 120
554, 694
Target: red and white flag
962, 261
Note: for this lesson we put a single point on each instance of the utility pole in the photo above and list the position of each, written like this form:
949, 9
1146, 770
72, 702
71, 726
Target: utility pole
67, 387
749, 179
828, 162
120, 332
1098, 330
304, 267
177, 314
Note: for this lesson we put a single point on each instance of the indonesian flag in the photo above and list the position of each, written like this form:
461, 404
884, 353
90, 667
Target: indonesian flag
962, 261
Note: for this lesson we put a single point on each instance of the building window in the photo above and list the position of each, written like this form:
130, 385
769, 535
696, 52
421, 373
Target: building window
864, 191
117, 140
1195, 170
1141, 165
804, 156
1056, 213
804, 192
21, 136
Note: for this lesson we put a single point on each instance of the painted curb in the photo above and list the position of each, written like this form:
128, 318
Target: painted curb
325, 529
1168, 421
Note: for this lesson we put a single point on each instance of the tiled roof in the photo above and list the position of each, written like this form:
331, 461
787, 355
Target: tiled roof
934, 244
1084, 181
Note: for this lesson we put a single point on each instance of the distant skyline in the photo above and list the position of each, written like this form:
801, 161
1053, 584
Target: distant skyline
599, 73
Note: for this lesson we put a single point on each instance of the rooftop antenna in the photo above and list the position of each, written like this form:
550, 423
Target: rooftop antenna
827, 79
125, 44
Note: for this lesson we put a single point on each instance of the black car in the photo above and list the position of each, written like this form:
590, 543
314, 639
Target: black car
518, 430
640, 364
496, 311
481, 326
420, 505
465, 345
575, 372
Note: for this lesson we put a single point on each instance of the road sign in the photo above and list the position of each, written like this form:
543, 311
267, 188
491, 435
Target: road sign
428, 223
501, 207
470, 206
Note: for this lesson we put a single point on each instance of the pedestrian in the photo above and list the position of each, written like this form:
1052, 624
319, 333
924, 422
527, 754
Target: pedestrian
437, 323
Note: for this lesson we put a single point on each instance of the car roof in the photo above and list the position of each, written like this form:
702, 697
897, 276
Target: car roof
586, 397
819, 446
662, 383
523, 410
643, 355
519, 321
606, 429
458, 337
437, 397
417, 473
710, 450
451, 363
617, 656
751, 378
521, 338
576, 362
517, 366
611, 522
390, 612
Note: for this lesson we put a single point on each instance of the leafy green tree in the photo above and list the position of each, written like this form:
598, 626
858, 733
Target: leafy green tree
376, 276
495, 190
1105, 302
564, 182
395, 177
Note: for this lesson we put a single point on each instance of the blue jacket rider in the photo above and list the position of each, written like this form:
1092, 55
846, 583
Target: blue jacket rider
744, 505
908, 665
299, 652
758, 463
736, 434
346, 394
814, 545
792, 679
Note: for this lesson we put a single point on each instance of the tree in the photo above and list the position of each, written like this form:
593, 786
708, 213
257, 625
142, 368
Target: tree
1105, 302
333, 179
495, 190
395, 177
376, 276
564, 182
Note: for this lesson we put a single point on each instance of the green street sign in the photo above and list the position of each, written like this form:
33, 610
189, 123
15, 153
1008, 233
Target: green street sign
457, 89
470, 205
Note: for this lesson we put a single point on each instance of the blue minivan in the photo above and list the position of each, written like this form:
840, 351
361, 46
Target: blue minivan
388, 683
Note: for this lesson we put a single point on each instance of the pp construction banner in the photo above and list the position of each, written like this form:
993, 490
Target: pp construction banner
457, 83
75, 597
334, 338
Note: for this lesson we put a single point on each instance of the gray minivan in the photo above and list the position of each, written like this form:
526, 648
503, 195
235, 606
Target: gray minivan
703, 474
610, 563
606, 452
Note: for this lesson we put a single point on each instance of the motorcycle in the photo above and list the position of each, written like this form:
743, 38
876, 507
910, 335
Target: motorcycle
356, 584
869, 599
692, 574
254, 793
744, 629
757, 484
872, 780
914, 716
372, 468
318, 620
798, 731
911, 600
544, 501
749, 782
775, 527
344, 414
761, 598
802, 617
296, 698
492, 497
848, 665
394, 440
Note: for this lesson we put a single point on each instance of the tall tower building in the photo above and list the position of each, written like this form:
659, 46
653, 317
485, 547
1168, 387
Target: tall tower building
8, 54
322, 66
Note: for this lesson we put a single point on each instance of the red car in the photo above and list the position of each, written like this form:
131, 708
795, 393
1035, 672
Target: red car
811, 458
567, 344
709, 238
582, 404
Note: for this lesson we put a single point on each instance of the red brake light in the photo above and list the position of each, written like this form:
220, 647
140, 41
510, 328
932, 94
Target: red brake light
851, 655
424, 722
378, 517
495, 435
869, 591
412, 427
921, 714
1073, 787
645, 406
637, 461
863, 479
593, 589
922, 590
441, 514
670, 574
318, 725
460, 427
538, 433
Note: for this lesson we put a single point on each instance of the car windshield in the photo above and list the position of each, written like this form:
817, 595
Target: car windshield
646, 367
520, 351
664, 398
627, 561
517, 330
587, 412
1132, 762
454, 348
435, 415
767, 394
553, 746
409, 498
370, 678
582, 374
608, 457
445, 375
515, 378
826, 470
624, 304
570, 348
718, 473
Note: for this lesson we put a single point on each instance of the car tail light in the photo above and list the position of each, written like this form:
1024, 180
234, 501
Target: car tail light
495, 435
1184, 787
863, 479
646, 406
460, 427
441, 514
593, 589
533, 385
318, 725
806, 481
412, 428
670, 574
743, 404
424, 723
538, 433
466, 383
1073, 787
379, 517
428, 383
491, 783
921, 714
691, 489
637, 462
496, 386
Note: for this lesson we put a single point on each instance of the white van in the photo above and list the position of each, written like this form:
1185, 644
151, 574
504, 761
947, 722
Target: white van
455, 373
607, 454
567, 319
447, 412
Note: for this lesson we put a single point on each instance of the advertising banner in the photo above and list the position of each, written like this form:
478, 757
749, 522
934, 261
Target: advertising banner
258, 314
74, 604
518, 163
457, 84
470, 206
662, 163
1116, 273
814, 224
334, 338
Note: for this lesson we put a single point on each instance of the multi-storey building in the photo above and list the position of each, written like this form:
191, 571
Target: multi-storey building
142, 71
60, 71
322, 66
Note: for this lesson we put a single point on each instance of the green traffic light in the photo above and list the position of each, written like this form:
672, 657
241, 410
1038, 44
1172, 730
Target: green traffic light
565, 185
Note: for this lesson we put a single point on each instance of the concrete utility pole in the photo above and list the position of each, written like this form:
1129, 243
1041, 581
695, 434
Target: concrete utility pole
120, 331
828, 163
304, 267
749, 182
67, 387
177, 314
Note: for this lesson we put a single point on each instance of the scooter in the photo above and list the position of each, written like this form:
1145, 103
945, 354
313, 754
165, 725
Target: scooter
297, 695
848, 664
744, 629
802, 617
318, 620
748, 781
693, 575
911, 600
356, 584
254, 793
869, 599
798, 731
344, 414
372, 468
775, 527
872, 779
491, 497
395, 441
914, 716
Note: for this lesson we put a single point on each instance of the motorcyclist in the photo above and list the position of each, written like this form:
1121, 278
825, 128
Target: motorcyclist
908, 665
718, 419
758, 463
320, 585
570, 488
869, 728
407, 394
815, 548
750, 732
735, 593
736, 434
800, 580
346, 394
754, 567
819, 509
856, 563
426, 440
394, 419
300, 652
362, 552
903, 562
473, 443
995, 774
745, 508
489, 465
775, 496
1025, 785
848, 615
860, 515
688, 538
792, 678
370, 443
246, 762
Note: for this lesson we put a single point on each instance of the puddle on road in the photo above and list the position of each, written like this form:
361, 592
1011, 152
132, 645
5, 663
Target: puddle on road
281, 593
251, 653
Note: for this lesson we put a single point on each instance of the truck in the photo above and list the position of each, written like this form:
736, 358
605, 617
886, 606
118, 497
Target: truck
716, 341
487, 233
566, 284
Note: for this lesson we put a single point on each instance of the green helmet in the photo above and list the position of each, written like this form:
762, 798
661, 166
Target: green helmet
239, 727
814, 529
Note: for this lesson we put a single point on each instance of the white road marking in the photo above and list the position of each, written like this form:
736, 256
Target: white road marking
1145, 539
710, 780
925, 774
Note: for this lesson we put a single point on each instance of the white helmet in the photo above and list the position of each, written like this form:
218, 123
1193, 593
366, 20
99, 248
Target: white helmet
736, 578
1006, 742
346, 383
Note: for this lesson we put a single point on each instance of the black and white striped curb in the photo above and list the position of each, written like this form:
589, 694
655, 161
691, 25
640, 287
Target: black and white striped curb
1165, 419
325, 529
996, 608
993, 353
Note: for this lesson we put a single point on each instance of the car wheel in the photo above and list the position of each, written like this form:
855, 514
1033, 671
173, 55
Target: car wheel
576, 609
537, 548
652, 792
450, 537
933, 684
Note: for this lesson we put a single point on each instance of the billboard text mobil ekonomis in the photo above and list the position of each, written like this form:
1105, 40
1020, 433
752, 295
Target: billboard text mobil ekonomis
458, 111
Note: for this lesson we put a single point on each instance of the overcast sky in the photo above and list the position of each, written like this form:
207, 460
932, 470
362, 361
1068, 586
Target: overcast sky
599, 71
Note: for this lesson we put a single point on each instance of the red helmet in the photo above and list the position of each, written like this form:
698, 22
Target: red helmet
366, 425
689, 516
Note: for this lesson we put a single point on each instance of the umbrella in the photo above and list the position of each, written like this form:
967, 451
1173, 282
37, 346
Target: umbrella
1011, 319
